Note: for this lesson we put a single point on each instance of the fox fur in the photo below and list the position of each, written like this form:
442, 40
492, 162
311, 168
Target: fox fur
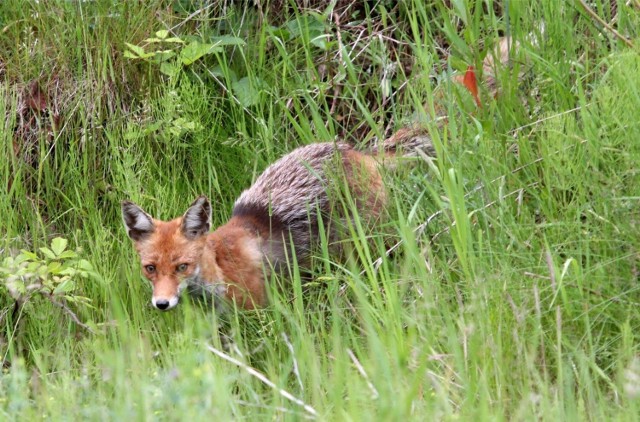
278, 214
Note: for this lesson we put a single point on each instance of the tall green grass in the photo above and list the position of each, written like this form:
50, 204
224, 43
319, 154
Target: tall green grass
512, 293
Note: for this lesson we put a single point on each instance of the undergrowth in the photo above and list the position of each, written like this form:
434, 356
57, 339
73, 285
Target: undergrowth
504, 286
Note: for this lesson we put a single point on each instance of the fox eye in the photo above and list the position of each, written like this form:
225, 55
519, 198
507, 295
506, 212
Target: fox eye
181, 268
150, 268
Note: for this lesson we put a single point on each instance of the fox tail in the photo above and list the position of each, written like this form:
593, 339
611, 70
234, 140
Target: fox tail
406, 142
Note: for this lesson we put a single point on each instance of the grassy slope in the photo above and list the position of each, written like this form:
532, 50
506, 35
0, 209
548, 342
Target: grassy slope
526, 307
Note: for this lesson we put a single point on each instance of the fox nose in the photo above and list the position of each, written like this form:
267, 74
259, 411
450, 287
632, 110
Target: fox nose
162, 304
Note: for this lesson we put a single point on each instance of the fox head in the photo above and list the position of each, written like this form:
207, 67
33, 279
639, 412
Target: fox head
170, 251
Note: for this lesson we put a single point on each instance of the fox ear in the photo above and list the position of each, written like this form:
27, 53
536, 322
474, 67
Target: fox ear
197, 219
138, 223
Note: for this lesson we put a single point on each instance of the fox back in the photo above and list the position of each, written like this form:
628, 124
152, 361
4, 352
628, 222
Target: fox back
286, 201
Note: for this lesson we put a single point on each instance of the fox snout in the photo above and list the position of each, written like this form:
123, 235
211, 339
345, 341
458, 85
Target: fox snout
166, 293
165, 304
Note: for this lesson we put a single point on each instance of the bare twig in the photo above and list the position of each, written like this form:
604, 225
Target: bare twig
255, 373
544, 119
534, 275
552, 272
296, 371
559, 328
514, 308
536, 297
374, 392
604, 23
336, 87
71, 314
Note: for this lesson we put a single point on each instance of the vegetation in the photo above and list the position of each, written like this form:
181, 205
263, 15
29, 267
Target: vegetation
511, 290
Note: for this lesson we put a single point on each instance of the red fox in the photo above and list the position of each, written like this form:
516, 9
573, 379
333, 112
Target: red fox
276, 215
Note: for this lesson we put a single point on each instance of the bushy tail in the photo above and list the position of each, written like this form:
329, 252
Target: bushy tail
405, 143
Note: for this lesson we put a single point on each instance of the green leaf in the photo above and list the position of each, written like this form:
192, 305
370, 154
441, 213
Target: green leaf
163, 55
246, 92
460, 7
281, 33
182, 125
58, 245
309, 25
30, 255
19, 260
129, 55
135, 49
169, 69
162, 34
48, 253
320, 41
457, 42
66, 286
175, 40
226, 40
217, 71
33, 266
195, 50
68, 255
54, 267
85, 265
221, 73
42, 271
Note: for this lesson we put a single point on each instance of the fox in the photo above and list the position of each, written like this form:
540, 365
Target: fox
275, 217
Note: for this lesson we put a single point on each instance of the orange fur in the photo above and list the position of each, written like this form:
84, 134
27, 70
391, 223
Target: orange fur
239, 260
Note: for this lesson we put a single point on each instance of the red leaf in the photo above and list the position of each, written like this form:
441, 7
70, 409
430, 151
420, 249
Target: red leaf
471, 83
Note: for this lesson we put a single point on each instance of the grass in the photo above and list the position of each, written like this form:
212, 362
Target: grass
518, 300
